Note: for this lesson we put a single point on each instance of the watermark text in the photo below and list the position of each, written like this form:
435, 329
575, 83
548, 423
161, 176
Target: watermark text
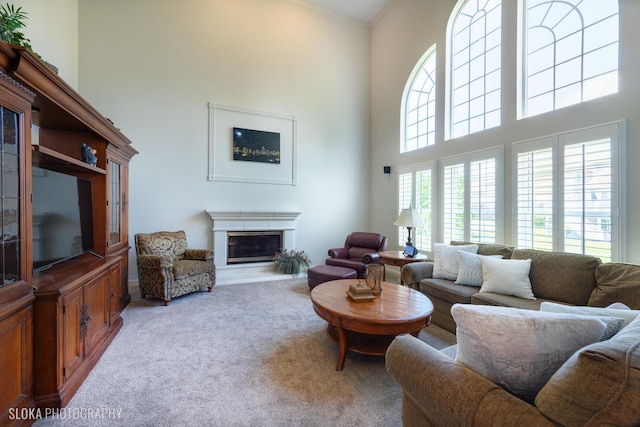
92, 413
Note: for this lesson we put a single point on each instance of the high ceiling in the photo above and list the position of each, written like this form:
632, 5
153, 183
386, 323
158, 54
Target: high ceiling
362, 10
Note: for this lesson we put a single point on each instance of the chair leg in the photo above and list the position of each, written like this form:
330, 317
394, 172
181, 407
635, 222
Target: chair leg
143, 296
209, 288
166, 302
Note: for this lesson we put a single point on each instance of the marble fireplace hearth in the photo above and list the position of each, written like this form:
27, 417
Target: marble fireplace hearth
225, 222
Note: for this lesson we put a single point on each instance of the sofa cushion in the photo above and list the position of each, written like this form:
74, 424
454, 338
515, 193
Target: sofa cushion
627, 315
354, 264
445, 259
520, 349
560, 276
489, 248
358, 253
470, 268
361, 239
448, 291
599, 385
617, 282
507, 277
187, 268
489, 298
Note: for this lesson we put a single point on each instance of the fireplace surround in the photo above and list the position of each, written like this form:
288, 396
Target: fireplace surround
226, 222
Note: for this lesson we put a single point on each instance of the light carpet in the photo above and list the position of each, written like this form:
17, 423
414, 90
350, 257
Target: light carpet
252, 354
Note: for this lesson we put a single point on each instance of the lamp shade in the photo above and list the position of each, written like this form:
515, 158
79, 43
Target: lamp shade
409, 218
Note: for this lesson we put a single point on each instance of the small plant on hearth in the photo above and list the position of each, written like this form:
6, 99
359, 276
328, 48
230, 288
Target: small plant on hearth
291, 261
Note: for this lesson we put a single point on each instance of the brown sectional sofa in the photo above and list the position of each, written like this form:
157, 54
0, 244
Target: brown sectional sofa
598, 385
555, 277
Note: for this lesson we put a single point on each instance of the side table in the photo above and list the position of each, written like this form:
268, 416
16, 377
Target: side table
398, 259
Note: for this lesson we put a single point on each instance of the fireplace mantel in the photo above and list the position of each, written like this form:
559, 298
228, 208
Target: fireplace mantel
252, 216
225, 221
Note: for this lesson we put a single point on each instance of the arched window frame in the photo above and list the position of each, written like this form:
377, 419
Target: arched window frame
418, 112
478, 106
589, 52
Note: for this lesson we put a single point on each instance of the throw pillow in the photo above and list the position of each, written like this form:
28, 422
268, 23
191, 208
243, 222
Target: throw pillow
627, 315
445, 259
520, 349
470, 269
619, 306
506, 277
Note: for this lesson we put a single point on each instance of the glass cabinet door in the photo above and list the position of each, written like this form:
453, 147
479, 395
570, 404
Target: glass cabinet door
115, 202
10, 196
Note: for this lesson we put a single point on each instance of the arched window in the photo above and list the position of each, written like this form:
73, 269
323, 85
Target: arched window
570, 53
419, 105
473, 67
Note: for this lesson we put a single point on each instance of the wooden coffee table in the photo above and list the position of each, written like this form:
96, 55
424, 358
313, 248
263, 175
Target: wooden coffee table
369, 327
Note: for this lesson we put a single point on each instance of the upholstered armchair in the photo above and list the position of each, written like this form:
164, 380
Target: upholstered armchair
360, 248
167, 268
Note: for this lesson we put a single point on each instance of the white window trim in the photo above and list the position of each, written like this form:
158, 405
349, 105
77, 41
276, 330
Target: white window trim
498, 154
617, 132
521, 67
448, 98
405, 95
412, 169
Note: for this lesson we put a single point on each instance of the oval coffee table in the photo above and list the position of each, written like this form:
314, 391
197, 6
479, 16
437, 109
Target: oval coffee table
369, 327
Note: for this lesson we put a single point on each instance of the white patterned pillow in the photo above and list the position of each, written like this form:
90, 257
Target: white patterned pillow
521, 349
507, 277
628, 315
445, 259
470, 268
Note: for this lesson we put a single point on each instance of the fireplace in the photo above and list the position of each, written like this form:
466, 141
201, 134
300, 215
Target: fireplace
252, 246
251, 224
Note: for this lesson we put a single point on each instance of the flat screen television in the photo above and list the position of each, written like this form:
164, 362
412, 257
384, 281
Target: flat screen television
62, 217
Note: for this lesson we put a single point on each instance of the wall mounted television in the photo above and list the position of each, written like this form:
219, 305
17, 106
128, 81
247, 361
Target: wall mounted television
62, 217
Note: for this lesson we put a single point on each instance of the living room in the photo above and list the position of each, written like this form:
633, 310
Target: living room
340, 79
158, 69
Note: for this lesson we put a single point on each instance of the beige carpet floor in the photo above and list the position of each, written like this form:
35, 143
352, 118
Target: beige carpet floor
252, 354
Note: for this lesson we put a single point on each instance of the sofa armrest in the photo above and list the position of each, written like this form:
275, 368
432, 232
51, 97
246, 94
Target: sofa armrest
198, 254
448, 393
340, 253
414, 272
372, 258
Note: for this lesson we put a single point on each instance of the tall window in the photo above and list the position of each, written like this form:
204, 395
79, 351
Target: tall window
471, 203
482, 200
568, 190
570, 53
416, 188
474, 62
534, 189
419, 105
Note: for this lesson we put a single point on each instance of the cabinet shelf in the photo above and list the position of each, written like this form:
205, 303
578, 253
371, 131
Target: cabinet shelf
51, 159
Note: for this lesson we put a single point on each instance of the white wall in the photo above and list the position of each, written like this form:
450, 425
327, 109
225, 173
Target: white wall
402, 36
52, 28
152, 66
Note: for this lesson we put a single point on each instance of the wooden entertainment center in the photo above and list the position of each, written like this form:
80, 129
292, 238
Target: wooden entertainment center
56, 323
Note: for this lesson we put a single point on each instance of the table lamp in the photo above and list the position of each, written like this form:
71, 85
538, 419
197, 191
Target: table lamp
409, 218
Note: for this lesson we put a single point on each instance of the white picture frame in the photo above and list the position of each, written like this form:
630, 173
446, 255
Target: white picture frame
222, 167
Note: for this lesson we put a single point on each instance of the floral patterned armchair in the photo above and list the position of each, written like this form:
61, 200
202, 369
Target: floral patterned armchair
168, 269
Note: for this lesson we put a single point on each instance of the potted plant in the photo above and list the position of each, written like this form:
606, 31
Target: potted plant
11, 22
291, 261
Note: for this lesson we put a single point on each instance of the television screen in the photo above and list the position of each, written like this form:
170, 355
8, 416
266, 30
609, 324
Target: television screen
62, 217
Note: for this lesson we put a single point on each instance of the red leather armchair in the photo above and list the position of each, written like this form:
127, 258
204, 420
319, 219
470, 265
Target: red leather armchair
360, 248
